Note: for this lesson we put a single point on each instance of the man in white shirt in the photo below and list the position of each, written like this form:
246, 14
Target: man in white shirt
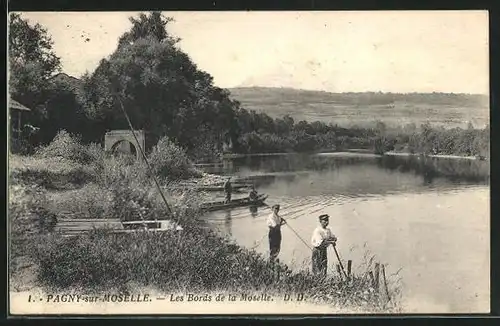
274, 222
322, 237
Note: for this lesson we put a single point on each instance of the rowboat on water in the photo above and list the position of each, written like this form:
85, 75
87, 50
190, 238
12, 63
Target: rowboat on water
214, 206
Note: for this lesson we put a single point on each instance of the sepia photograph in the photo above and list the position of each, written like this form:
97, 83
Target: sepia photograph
248, 162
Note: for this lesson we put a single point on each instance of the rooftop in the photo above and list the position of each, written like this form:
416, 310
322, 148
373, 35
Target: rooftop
13, 104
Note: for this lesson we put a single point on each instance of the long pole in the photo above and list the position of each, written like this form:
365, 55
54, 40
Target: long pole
144, 157
340, 261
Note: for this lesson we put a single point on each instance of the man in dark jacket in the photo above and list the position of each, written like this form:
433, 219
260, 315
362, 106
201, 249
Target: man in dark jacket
228, 189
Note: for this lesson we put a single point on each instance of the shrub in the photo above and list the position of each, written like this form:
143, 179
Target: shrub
170, 161
69, 147
28, 215
206, 151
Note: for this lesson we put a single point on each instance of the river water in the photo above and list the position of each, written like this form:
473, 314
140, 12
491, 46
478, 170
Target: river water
426, 219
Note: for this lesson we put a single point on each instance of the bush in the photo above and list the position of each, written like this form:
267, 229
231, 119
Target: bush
206, 151
170, 161
28, 215
67, 146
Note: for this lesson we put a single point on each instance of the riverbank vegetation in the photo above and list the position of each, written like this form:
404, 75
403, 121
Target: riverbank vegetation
195, 258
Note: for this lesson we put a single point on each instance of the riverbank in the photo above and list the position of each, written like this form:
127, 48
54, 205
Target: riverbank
459, 157
99, 262
353, 152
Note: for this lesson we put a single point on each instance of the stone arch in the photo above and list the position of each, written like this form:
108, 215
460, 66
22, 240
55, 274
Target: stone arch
124, 147
124, 141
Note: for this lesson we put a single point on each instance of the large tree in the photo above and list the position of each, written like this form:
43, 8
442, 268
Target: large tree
32, 60
162, 90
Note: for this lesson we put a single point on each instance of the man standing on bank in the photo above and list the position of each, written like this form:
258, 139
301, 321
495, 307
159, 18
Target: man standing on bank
274, 222
322, 237
228, 189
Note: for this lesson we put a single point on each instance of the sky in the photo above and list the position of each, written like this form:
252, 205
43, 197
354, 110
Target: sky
399, 51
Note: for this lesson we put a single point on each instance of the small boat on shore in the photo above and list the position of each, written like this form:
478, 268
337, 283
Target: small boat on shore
242, 202
240, 188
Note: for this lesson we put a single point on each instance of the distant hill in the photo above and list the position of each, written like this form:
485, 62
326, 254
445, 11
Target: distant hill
446, 109
361, 109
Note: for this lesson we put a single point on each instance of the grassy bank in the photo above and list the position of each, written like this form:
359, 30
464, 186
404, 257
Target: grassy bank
196, 259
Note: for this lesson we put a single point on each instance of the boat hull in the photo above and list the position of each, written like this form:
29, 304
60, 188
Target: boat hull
209, 207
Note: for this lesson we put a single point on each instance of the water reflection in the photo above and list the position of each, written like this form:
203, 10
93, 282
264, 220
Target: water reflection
254, 211
413, 212
346, 174
228, 222
454, 170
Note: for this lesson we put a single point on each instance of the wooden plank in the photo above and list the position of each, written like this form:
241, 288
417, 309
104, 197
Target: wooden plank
88, 225
72, 234
96, 220
143, 222
82, 229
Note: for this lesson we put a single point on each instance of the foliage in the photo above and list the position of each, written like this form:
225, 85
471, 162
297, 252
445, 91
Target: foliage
31, 56
27, 216
171, 161
166, 261
62, 110
145, 26
32, 62
260, 134
67, 146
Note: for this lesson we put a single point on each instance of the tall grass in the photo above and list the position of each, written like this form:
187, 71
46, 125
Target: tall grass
197, 260
28, 216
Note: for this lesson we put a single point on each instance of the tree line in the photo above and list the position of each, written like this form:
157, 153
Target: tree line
166, 94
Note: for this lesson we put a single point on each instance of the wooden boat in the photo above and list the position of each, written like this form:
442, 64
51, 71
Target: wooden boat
238, 188
214, 206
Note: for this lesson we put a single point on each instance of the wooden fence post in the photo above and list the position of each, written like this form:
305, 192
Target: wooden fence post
339, 271
349, 265
385, 284
372, 279
377, 276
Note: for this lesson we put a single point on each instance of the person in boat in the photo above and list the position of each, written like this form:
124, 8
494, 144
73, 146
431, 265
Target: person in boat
253, 195
228, 189
322, 238
274, 223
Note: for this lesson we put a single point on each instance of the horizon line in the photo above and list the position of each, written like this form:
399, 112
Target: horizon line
324, 91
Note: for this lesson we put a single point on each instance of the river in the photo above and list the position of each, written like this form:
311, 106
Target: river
426, 219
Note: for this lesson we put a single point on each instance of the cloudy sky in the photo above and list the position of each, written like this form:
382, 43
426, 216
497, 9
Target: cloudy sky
331, 51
